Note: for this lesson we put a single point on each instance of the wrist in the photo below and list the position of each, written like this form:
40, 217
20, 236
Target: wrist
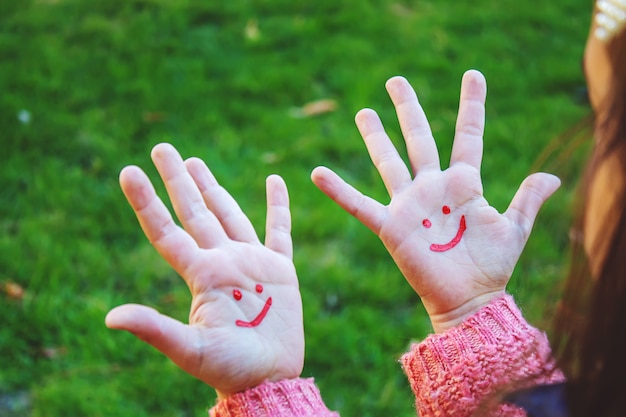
221, 395
252, 384
442, 322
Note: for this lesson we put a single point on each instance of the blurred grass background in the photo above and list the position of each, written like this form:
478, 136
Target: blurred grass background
87, 87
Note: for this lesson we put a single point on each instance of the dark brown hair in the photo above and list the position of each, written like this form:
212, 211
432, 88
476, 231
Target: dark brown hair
590, 324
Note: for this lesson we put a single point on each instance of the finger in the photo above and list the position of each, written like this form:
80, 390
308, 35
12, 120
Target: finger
186, 199
175, 245
419, 139
166, 334
221, 203
470, 122
278, 223
529, 198
368, 211
385, 157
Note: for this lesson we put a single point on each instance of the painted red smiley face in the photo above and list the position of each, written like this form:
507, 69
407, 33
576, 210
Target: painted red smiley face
435, 247
259, 318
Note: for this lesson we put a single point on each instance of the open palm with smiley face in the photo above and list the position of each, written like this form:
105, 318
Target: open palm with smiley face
454, 249
245, 324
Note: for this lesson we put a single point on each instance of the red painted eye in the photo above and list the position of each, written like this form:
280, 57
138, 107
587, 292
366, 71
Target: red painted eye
259, 288
426, 223
237, 294
445, 210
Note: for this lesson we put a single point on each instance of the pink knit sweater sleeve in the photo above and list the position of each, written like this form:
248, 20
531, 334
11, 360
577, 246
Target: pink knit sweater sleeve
495, 350
288, 398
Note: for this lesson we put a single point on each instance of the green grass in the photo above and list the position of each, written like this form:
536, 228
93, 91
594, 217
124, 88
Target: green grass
102, 81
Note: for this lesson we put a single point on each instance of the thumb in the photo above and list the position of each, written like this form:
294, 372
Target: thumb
164, 333
529, 198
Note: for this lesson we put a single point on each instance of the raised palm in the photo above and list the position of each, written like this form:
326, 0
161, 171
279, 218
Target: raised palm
245, 322
455, 250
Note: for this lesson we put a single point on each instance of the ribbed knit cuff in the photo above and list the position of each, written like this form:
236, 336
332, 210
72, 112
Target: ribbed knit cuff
496, 322
288, 398
494, 349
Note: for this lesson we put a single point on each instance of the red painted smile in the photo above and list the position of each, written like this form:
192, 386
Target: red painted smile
447, 246
237, 295
258, 319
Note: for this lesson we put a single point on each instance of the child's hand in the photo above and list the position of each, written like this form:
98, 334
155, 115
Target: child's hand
455, 250
245, 322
